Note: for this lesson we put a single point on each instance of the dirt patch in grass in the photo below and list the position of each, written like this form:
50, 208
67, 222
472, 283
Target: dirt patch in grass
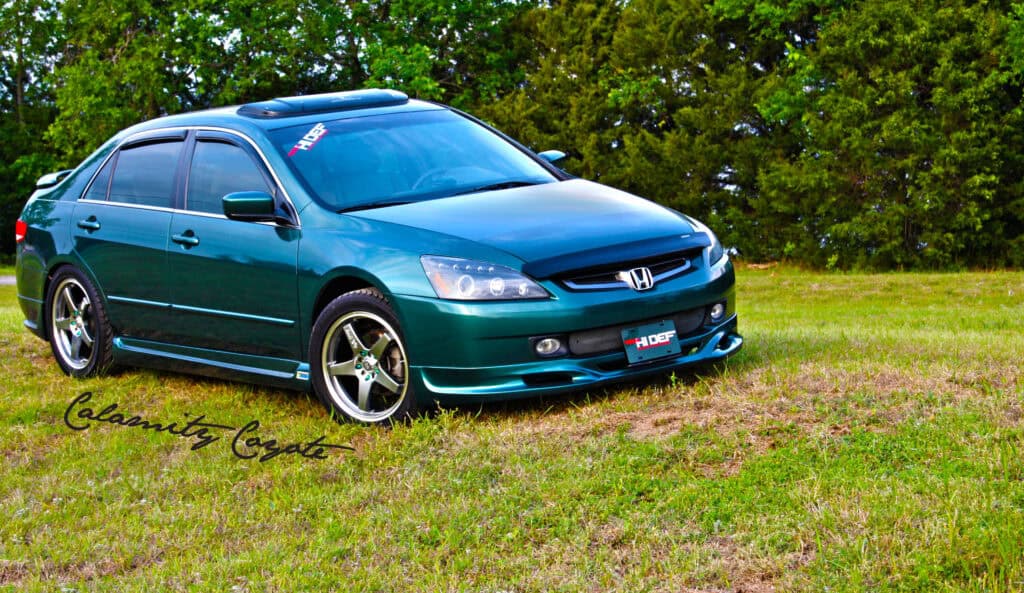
13, 573
724, 566
658, 423
768, 405
741, 572
744, 574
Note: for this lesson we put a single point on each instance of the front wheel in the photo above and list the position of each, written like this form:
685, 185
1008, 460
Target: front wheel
358, 361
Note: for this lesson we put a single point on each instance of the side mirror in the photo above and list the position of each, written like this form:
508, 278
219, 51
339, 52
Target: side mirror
251, 206
552, 156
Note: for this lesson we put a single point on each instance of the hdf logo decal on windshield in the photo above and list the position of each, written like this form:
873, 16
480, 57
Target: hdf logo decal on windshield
309, 140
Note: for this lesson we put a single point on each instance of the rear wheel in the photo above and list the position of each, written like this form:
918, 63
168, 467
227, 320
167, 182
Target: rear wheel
357, 356
80, 334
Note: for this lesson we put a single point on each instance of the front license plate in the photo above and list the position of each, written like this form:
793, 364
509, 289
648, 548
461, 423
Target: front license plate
651, 341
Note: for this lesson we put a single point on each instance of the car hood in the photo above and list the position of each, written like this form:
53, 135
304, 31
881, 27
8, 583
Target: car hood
553, 227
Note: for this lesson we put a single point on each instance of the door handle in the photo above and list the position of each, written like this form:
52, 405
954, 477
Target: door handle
89, 224
187, 239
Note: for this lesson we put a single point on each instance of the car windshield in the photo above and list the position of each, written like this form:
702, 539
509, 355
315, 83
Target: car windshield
379, 160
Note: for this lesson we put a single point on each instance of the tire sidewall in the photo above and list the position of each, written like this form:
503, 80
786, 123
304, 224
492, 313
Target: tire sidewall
101, 356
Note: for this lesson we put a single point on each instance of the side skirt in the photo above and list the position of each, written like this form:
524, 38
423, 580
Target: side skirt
276, 372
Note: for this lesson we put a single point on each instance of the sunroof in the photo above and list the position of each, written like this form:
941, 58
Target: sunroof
305, 105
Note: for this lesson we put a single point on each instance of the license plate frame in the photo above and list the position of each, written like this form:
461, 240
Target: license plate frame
650, 341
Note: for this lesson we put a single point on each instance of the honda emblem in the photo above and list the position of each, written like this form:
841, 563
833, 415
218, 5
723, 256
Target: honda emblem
638, 278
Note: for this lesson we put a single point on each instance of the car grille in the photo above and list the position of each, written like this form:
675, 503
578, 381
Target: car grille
609, 339
609, 277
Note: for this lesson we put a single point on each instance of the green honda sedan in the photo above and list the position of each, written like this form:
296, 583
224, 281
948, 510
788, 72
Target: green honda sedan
383, 252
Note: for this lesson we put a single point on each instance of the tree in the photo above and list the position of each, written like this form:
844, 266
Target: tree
27, 51
909, 144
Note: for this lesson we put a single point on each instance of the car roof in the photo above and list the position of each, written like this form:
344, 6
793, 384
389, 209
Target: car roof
262, 116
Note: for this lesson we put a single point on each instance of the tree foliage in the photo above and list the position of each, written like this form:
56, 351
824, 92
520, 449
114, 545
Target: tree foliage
869, 134
27, 48
908, 123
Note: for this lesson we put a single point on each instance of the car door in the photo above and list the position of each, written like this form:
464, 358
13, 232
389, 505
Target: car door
232, 283
120, 231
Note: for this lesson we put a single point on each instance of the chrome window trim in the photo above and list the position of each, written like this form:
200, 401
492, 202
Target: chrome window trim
126, 205
205, 214
246, 138
173, 211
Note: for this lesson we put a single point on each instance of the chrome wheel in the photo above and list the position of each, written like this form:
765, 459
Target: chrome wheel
364, 366
73, 325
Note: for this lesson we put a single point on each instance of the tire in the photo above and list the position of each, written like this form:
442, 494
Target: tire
358, 360
79, 330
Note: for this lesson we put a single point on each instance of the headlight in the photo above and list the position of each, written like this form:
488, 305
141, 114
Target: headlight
470, 280
715, 252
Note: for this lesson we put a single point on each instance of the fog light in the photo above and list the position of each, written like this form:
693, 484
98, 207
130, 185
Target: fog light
548, 346
717, 312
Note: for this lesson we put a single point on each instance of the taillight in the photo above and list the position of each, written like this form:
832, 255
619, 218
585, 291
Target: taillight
20, 230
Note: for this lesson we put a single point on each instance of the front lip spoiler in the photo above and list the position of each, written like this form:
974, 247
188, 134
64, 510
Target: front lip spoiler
465, 385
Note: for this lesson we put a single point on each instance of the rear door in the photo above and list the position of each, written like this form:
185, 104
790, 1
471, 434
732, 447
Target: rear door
232, 283
120, 232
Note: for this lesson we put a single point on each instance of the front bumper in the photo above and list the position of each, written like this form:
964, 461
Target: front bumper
473, 352
467, 385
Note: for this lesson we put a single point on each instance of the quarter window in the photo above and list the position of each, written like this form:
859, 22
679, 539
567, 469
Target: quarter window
218, 169
145, 174
98, 189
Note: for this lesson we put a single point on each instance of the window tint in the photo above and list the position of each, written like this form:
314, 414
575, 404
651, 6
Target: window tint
98, 189
145, 174
219, 169
402, 157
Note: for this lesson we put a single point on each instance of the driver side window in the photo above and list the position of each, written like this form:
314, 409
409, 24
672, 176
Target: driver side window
220, 168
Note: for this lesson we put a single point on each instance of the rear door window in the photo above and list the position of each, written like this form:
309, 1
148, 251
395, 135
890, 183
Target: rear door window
144, 174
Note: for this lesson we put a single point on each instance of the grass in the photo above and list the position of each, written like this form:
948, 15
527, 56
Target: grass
869, 437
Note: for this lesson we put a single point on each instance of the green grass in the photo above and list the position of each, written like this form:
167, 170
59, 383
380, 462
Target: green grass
869, 437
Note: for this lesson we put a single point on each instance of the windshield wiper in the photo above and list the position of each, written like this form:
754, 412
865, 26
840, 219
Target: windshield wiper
372, 205
497, 186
